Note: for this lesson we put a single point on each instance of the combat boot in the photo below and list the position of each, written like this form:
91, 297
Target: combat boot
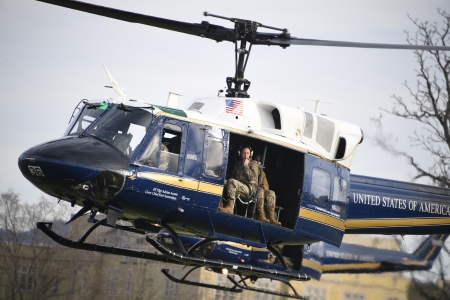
270, 213
260, 214
227, 206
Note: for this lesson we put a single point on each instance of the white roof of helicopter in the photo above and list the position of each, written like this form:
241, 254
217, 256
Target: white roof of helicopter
291, 127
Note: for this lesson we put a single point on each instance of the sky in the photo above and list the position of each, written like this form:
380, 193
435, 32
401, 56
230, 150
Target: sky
52, 57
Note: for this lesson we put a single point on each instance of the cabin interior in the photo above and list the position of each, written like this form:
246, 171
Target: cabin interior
284, 168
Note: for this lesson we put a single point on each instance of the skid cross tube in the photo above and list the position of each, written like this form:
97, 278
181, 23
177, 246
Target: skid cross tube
204, 285
244, 286
167, 256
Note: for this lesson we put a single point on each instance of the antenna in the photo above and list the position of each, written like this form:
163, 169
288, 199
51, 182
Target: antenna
316, 110
172, 100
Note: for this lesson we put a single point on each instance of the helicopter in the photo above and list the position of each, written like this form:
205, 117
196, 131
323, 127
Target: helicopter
104, 161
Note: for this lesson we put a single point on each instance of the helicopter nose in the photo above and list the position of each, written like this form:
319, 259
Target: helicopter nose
76, 169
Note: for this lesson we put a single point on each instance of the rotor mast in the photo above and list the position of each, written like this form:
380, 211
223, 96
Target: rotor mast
245, 32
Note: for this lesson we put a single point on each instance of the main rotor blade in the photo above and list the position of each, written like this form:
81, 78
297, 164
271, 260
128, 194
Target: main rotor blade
308, 42
204, 29
220, 33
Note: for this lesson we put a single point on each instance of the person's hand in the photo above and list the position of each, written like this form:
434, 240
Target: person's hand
246, 161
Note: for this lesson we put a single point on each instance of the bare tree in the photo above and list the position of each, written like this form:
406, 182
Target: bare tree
429, 102
30, 267
428, 105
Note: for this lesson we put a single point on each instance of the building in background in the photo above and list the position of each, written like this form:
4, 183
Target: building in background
79, 274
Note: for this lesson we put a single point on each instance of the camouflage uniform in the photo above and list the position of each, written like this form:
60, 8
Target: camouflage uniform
244, 180
244, 183
269, 196
269, 199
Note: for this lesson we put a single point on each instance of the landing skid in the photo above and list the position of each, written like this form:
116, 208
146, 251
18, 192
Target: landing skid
169, 256
46, 227
237, 287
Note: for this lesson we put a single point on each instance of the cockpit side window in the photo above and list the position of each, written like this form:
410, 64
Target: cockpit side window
150, 155
320, 187
339, 194
171, 144
163, 150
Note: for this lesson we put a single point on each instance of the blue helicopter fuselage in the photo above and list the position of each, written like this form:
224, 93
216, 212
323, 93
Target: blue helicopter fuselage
111, 160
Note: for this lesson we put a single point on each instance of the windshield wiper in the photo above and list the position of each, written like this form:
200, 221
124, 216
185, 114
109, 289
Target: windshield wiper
123, 107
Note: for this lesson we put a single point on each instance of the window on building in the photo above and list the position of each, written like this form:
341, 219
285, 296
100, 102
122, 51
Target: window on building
320, 187
26, 277
84, 279
111, 282
55, 287
171, 288
351, 295
74, 280
315, 292
223, 295
266, 284
129, 282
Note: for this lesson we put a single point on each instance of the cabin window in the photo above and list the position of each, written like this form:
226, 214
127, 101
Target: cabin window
276, 118
341, 148
196, 106
339, 194
214, 157
320, 187
325, 133
164, 153
214, 152
309, 125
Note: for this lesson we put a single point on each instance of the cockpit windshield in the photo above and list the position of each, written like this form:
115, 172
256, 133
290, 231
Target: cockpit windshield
123, 127
88, 114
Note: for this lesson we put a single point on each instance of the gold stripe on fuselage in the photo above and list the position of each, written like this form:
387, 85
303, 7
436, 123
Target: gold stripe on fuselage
336, 267
183, 182
309, 214
312, 264
367, 223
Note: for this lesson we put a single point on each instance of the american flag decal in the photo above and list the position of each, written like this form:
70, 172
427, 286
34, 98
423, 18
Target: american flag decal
235, 107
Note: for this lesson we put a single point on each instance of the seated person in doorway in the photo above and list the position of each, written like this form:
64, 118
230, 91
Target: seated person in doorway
269, 196
243, 183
